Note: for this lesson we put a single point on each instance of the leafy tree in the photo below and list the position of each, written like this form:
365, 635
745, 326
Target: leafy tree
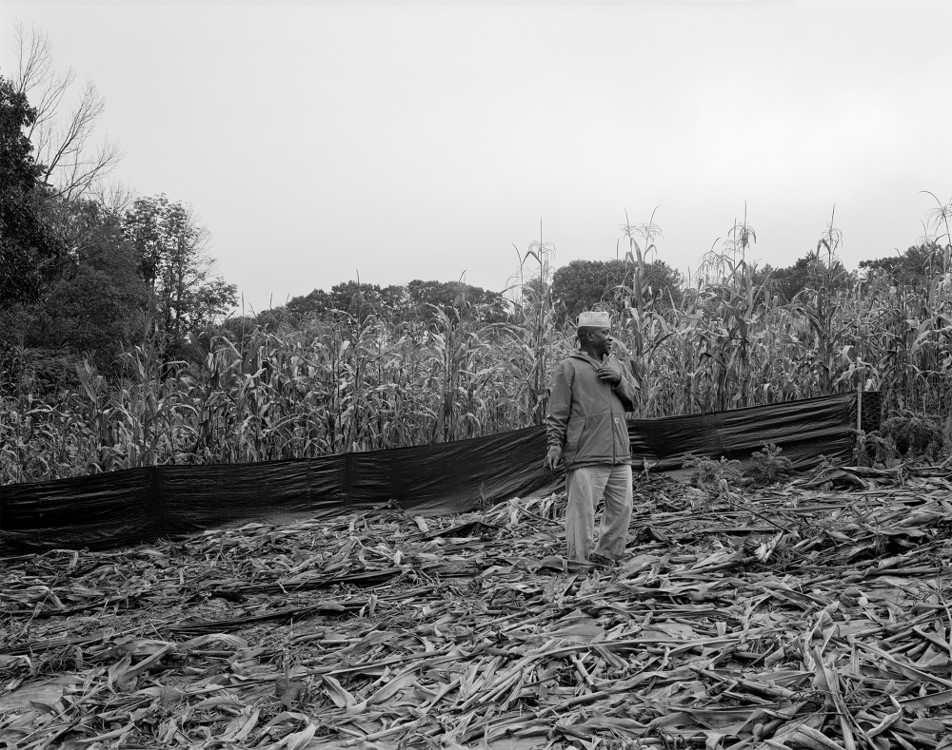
29, 255
419, 301
95, 306
357, 299
315, 303
445, 296
809, 272
354, 298
68, 285
914, 268
584, 284
789, 281
184, 295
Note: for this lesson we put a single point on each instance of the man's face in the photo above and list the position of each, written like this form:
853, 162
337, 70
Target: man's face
600, 341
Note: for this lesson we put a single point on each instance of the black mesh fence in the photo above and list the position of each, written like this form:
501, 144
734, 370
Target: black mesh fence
140, 505
870, 411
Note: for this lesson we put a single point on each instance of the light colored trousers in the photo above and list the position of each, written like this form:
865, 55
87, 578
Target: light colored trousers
585, 486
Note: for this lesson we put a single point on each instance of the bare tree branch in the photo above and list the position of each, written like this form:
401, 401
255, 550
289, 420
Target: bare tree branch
62, 140
115, 197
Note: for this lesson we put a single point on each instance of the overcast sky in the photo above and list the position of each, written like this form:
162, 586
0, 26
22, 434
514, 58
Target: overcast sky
398, 141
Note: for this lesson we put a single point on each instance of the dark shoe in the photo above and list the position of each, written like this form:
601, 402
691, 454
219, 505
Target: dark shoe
601, 560
579, 566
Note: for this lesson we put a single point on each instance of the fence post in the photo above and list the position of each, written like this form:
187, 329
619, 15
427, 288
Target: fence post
859, 407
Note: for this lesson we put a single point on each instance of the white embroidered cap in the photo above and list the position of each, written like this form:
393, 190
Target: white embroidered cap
594, 319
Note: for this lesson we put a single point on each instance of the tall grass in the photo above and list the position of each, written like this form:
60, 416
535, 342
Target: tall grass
344, 383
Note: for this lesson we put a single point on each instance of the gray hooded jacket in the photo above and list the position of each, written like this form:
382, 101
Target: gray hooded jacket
586, 416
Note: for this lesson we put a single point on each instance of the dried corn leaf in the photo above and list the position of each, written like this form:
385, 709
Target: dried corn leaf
719, 630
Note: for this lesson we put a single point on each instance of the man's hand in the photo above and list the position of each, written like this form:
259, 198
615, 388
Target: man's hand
608, 374
553, 458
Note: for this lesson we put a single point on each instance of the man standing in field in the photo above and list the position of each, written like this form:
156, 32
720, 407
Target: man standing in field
587, 431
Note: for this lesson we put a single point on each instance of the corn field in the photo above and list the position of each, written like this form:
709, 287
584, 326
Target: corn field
338, 384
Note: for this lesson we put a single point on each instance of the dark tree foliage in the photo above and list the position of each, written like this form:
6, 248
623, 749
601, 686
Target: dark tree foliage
914, 268
788, 281
423, 297
361, 301
29, 255
809, 272
417, 302
298, 309
184, 296
351, 298
95, 307
584, 284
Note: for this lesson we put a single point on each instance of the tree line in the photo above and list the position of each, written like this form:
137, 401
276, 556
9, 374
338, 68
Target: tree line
586, 284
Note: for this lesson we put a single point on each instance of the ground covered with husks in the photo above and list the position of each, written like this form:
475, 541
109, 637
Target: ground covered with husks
812, 614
